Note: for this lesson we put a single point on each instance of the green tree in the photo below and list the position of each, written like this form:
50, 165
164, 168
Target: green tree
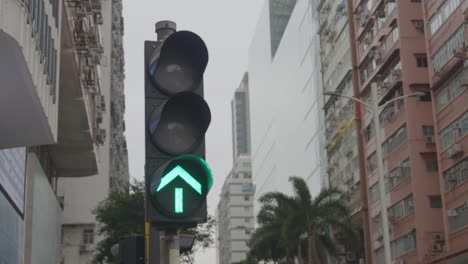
285, 221
122, 213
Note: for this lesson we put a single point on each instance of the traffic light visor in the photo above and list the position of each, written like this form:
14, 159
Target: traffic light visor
179, 126
180, 63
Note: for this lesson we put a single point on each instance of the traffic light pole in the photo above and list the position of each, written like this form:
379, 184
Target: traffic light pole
170, 246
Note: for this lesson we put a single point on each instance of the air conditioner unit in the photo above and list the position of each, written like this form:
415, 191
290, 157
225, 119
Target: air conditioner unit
455, 151
436, 247
380, 13
378, 236
460, 52
396, 72
85, 248
419, 25
452, 213
430, 140
438, 237
350, 256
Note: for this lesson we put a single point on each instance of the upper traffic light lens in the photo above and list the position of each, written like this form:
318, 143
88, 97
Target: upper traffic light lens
180, 63
180, 125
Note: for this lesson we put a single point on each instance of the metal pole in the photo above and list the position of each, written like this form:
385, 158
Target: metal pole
154, 245
380, 171
170, 253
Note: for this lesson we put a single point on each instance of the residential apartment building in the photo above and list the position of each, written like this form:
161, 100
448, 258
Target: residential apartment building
341, 125
446, 31
389, 42
235, 219
234, 214
285, 93
96, 32
30, 48
55, 98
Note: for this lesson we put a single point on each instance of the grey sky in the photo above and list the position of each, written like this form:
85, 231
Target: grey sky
227, 28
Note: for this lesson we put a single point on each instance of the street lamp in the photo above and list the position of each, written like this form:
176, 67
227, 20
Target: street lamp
376, 109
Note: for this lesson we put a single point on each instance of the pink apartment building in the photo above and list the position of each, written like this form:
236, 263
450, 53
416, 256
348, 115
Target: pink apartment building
446, 30
390, 44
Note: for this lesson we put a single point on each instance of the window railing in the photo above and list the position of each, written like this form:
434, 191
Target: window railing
456, 175
458, 218
448, 50
454, 88
404, 244
395, 140
444, 12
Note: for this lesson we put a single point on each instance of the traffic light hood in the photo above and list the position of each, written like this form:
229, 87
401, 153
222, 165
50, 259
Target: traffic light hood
179, 125
179, 64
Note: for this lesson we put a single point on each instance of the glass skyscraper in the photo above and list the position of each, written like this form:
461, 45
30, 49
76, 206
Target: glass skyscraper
286, 102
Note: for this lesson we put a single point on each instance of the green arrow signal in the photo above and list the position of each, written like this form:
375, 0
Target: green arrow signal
178, 171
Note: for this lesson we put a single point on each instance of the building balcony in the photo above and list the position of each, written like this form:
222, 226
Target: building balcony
28, 95
81, 104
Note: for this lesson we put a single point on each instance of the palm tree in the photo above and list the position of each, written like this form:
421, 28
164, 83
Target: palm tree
285, 220
273, 240
321, 215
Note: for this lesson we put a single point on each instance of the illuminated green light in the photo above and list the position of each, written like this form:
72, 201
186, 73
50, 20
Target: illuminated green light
179, 200
179, 171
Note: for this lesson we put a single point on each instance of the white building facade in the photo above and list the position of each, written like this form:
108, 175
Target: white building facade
235, 220
81, 195
234, 213
286, 101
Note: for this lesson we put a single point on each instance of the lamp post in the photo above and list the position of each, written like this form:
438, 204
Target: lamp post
376, 109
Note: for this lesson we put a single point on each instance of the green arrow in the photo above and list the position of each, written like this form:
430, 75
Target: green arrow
178, 171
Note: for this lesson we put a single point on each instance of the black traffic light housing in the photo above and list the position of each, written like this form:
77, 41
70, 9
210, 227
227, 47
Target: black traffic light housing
176, 120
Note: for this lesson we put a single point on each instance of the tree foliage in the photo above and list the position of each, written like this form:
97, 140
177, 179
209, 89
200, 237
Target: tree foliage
123, 214
290, 226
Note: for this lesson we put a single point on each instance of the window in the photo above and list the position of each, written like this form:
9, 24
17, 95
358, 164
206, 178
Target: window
394, 141
404, 244
421, 61
401, 208
446, 52
369, 132
247, 176
435, 201
247, 187
247, 220
456, 175
454, 88
88, 236
395, 34
398, 174
246, 197
428, 131
248, 231
372, 162
432, 165
409, 204
374, 192
377, 223
458, 218
443, 14
454, 131
380, 255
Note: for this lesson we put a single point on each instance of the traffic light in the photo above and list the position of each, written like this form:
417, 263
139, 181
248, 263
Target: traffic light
177, 117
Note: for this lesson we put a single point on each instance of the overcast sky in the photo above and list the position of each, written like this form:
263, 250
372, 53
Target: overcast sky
227, 28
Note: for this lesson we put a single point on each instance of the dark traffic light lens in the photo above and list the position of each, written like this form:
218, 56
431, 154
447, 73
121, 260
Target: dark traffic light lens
180, 63
179, 127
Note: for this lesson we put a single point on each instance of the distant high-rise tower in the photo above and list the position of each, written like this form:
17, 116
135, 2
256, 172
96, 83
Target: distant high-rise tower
235, 208
240, 119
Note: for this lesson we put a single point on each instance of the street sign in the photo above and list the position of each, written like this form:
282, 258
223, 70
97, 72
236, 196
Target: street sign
179, 188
